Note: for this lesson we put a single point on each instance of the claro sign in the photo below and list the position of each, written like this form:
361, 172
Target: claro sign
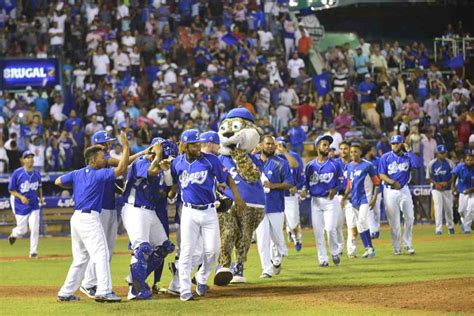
37, 73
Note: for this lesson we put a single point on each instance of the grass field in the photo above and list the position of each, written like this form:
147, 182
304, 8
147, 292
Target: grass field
438, 279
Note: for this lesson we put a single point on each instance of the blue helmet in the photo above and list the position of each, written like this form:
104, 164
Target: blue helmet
170, 149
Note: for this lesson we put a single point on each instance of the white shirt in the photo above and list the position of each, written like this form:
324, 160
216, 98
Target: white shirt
294, 66
56, 112
91, 108
432, 108
121, 62
288, 96
54, 37
100, 63
134, 58
93, 39
119, 117
91, 128
462, 91
80, 75
91, 13
129, 41
3, 156
265, 39
122, 12
187, 102
157, 115
110, 47
60, 20
170, 77
38, 159
284, 114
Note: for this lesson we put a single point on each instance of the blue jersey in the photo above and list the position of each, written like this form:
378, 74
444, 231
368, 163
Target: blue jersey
251, 193
196, 179
26, 183
296, 173
108, 202
398, 167
88, 187
276, 170
441, 171
362, 177
465, 177
322, 177
66, 144
142, 190
342, 181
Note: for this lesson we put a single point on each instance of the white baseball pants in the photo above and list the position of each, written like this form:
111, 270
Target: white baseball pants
88, 242
324, 214
346, 215
374, 217
443, 201
396, 201
196, 224
466, 210
143, 225
362, 217
108, 218
271, 241
23, 222
292, 215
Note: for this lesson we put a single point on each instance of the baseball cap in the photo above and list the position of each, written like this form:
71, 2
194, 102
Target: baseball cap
242, 113
101, 137
27, 153
190, 136
441, 149
210, 137
281, 140
323, 137
367, 76
396, 139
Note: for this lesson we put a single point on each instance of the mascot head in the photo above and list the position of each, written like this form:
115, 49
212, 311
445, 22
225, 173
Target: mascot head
239, 132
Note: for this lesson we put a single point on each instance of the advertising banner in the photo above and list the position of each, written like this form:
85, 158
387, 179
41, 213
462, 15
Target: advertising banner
37, 73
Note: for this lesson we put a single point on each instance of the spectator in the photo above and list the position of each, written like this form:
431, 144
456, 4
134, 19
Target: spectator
432, 108
93, 126
38, 149
336, 136
294, 65
354, 135
366, 89
3, 158
387, 111
55, 156
343, 122
296, 137
361, 63
382, 146
429, 148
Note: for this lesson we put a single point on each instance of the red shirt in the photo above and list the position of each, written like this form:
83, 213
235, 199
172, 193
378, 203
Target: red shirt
305, 110
464, 131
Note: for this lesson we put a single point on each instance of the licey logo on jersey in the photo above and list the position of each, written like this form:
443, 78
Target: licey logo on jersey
356, 173
439, 171
394, 167
234, 174
320, 177
192, 178
27, 186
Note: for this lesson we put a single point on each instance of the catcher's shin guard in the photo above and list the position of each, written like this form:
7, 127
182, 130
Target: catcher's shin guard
139, 265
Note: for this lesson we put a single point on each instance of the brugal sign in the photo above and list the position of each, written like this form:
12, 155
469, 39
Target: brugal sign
37, 73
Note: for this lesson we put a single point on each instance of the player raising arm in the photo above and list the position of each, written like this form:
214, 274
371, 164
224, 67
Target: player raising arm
87, 233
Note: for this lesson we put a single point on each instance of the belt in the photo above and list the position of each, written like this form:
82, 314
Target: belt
202, 207
86, 211
153, 208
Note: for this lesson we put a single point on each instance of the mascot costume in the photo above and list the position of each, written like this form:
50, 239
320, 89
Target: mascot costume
239, 137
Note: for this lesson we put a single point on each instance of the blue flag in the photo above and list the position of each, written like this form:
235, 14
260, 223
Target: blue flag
456, 62
230, 39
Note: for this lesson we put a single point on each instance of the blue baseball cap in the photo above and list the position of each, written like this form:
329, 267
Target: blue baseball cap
190, 136
169, 147
281, 140
210, 137
441, 149
242, 113
27, 153
101, 137
396, 139
323, 137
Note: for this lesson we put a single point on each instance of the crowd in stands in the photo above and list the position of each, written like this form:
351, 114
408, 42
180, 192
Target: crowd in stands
157, 67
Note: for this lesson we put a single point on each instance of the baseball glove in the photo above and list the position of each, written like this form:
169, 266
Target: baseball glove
223, 203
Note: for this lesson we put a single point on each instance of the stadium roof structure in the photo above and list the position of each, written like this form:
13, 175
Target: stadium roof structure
298, 5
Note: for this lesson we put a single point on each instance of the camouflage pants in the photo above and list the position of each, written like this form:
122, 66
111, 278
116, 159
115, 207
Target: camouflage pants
236, 232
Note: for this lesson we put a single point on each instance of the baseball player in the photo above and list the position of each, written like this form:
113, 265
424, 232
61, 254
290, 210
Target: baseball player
147, 235
26, 196
440, 176
170, 151
87, 232
346, 210
394, 170
464, 174
276, 178
108, 215
322, 176
292, 203
374, 217
362, 180
196, 174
